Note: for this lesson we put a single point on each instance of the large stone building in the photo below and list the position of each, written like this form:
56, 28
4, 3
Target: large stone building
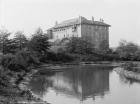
96, 32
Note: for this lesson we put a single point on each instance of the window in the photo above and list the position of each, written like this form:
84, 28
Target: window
74, 28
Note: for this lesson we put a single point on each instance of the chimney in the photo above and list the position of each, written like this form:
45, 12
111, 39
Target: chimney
101, 20
92, 18
80, 19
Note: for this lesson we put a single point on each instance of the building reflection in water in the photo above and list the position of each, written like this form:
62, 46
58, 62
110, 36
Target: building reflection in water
80, 82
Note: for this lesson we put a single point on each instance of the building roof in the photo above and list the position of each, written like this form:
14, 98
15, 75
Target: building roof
77, 21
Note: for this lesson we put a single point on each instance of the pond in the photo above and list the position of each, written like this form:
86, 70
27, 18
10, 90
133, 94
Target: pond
86, 84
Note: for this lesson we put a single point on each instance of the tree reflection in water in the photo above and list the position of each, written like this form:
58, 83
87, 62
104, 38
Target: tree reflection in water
39, 85
79, 82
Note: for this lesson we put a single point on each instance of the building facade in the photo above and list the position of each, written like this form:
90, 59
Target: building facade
95, 32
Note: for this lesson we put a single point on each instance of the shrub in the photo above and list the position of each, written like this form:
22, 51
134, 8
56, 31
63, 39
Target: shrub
57, 57
19, 62
64, 57
90, 57
128, 51
26, 58
78, 45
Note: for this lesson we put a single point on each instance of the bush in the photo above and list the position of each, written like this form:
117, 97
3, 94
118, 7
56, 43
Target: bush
26, 58
57, 57
128, 51
64, 57
19, 62
78, 45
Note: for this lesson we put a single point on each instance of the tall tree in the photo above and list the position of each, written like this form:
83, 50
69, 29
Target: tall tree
104, 47
128, 50
39, 43
5, 42
20, 40
79, 46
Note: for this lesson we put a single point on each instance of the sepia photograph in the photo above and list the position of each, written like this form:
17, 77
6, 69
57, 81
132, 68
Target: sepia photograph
69, 52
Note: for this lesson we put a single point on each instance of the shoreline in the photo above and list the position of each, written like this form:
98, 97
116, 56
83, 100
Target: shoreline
24, 94
19, 93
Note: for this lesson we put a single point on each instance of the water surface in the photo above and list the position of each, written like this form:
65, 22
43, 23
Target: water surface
86, 84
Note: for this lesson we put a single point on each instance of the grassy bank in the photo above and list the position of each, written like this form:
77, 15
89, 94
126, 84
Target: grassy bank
14, 90
15, 72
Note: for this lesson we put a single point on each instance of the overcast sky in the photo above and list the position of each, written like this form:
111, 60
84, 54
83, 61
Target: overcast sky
28, 15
